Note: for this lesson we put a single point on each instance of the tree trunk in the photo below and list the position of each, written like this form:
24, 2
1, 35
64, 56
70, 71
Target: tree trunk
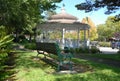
30, 38
17, 36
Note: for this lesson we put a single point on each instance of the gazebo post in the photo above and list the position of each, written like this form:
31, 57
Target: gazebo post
43, 36
88, 34
88, 39
78, 37
63, 38
84, 38
46, 37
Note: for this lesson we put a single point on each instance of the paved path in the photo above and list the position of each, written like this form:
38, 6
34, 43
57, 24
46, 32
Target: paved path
108, 50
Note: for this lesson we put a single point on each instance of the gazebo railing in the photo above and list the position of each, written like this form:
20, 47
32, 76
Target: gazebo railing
71, 43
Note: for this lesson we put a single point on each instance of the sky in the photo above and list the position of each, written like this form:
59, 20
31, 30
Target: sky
98, 17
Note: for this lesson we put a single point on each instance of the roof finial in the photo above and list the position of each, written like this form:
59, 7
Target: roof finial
63, 5
63, 9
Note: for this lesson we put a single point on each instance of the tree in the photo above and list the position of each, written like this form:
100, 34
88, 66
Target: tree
114, 26
93, 5
93, 30
49, 13
102, 35
22, 15
111, 27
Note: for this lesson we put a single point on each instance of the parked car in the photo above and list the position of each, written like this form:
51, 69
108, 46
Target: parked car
118, 44
115, 44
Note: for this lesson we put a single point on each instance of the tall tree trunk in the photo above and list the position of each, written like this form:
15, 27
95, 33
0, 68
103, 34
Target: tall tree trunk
34, 30
30, 38
17, 36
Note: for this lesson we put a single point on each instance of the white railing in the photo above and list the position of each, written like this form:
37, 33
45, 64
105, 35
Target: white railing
72, 43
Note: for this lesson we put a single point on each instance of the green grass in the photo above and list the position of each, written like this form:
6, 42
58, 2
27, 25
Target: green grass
107, 56
30, 69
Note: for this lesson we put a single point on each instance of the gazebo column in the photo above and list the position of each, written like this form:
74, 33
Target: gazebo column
84, 38
63, 38
43, 37
88, 34
78, 37
46, 37
88, 39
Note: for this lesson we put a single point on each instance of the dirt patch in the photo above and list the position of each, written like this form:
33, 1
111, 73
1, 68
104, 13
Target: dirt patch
76, 68
82, 68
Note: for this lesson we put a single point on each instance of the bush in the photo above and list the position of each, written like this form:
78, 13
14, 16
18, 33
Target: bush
82, 50
72, 50
31, 46
104, 44
5, 43
5, 48
24, 41
94, 50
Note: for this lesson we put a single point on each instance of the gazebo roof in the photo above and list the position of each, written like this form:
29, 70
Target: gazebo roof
63, 20
60, 26
63, 15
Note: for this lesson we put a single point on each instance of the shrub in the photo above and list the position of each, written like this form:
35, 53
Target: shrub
72, 50
31, 46
104, 44
5, 48
24, 41
82, 50
94, 50
77, 50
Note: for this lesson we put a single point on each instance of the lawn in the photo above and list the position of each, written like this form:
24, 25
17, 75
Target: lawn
107, 56
30, 69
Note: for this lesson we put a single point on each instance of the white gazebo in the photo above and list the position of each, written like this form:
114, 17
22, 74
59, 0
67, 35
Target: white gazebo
63, 22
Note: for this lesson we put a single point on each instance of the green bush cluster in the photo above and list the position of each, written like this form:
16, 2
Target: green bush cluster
27, 44
24, 41
79, 50
104, 44
94, 50
31, 46
5, 48
5, 44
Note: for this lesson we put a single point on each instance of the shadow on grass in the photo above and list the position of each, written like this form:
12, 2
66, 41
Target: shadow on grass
101, 72
29, 60
97, 66
6, 74
88, 77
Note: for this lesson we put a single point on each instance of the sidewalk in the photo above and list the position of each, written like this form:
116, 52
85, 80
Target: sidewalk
108, 50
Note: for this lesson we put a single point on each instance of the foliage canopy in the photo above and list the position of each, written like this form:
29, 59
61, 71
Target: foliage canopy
21, 16
93, 5
110, 27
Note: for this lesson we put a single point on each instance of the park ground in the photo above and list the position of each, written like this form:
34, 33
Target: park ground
88, 67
